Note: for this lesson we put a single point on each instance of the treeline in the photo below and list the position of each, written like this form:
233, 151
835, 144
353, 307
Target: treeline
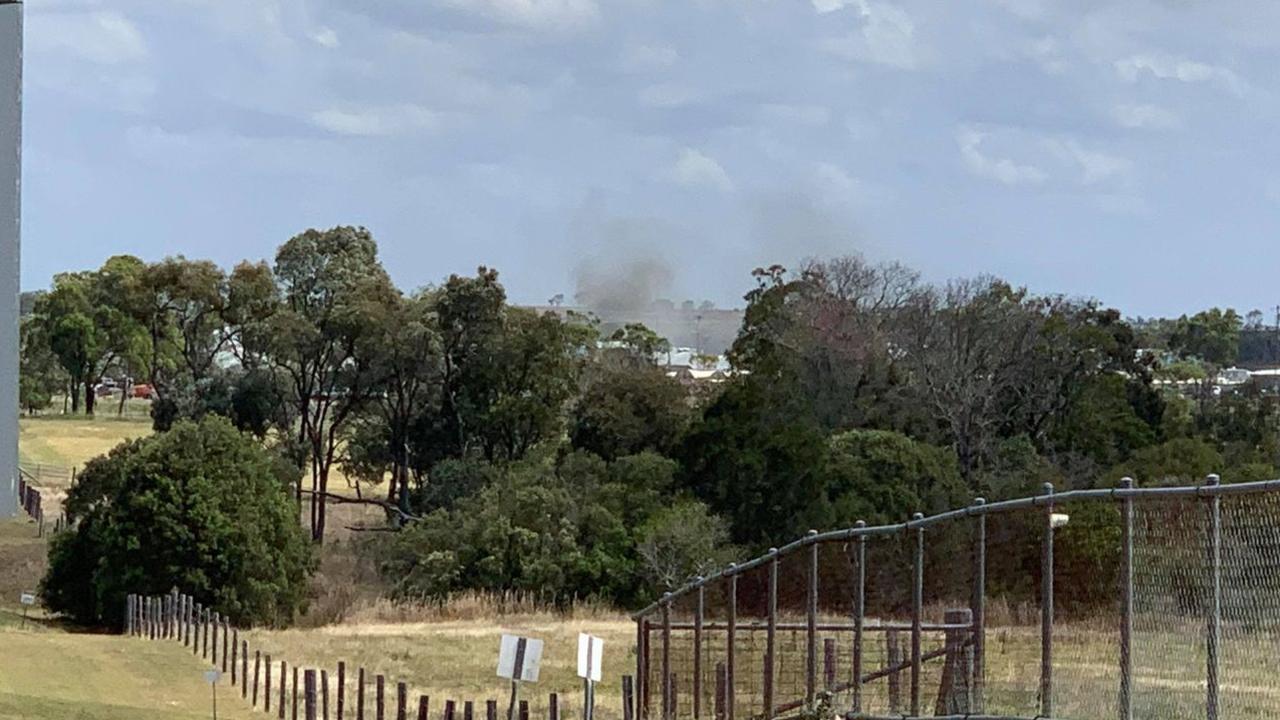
527, 451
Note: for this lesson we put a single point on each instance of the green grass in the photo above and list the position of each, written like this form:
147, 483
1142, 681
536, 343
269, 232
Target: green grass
64, 676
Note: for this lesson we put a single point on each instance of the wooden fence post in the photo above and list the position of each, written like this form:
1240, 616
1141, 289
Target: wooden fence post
380, 698
309, 695
266, 690
402, 701
829, 664
225, 635
342, 688
293, 703
490, 710
424, 707
217, 619
449, 710
257, 661
324, 694
628, 697
893, 658
722, 674
360, 696
468, 710
553, 707
244, 668
284, 689
955, 690
235, 651
524, 710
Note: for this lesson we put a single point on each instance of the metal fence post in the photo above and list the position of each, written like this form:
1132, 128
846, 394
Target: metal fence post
668, 712
642, 669
917, 611
771, 635
859, 612
811, 627
1213, 601
1126, 603
697, 650
979, 606
731, 641
1046, 608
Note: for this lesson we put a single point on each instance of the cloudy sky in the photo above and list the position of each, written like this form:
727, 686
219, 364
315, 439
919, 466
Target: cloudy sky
1122, 150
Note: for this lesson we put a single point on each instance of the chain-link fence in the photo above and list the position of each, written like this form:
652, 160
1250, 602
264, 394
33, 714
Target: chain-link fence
1128, 603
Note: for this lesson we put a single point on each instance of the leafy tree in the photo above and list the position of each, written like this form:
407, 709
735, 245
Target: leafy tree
824, 337
757, 466
404, 347
1176, 462
626, 410
39, 376
507, 375
202, 508
1211, 335
85, 330
882, 476
317, 336
639, 344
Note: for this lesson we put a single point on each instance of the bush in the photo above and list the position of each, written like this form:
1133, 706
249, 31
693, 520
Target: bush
201, 508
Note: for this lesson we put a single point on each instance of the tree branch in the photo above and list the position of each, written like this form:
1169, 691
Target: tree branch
343, 500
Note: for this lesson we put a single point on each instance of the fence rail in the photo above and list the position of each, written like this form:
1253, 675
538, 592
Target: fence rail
1124, 602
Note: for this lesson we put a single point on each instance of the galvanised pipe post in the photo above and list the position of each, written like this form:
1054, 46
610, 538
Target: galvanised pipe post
917, 612
859, 613
1126, 604
811, 631
697, 651
731, 642
979, 608
771, 635
1046, 608
668, 712
1213, 601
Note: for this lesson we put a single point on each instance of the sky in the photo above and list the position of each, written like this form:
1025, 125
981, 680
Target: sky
1122, 151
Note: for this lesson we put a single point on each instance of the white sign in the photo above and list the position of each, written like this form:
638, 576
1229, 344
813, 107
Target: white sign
590, 657
28, 598
1057, 520
519, 658
212, 676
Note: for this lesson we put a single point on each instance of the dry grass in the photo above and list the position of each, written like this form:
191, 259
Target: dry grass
70, 442
456, 659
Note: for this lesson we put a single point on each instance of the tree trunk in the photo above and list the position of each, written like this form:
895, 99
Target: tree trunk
74, 392
124, 397
321, 507
90, 395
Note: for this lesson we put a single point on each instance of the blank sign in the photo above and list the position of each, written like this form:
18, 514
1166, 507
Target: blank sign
590, 657
519, 658
28, 598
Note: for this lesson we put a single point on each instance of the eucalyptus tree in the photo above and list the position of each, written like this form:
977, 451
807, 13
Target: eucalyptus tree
318, 332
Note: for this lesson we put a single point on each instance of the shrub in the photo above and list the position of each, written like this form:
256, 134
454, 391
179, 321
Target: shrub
202, 508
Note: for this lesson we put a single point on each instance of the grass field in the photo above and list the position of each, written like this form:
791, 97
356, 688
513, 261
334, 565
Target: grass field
51, 675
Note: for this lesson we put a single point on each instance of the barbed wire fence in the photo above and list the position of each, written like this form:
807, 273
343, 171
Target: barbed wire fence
1128, 603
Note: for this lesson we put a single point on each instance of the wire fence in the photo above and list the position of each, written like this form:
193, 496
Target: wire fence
1120, 603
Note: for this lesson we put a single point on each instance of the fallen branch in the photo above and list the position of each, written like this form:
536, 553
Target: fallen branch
344, 500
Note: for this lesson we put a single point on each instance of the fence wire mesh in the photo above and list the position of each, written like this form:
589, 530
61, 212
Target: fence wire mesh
1200, 591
